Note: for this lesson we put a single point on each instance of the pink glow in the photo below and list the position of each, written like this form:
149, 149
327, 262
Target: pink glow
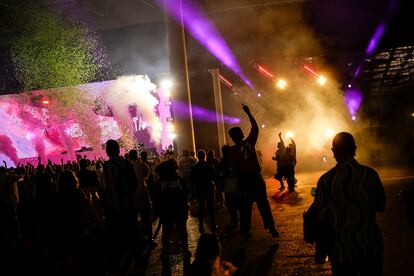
7, 148
29, 130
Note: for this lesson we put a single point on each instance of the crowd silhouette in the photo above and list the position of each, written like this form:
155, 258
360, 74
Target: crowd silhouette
113, 204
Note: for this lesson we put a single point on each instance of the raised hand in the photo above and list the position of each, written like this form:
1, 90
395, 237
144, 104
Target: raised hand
246, 108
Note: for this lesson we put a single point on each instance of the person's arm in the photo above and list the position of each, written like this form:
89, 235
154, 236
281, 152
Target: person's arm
254, 132
281, 140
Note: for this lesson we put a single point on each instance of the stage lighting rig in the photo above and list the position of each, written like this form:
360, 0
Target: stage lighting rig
263, 70
320, 79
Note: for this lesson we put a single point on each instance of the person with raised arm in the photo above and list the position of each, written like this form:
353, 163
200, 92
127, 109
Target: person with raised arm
251, 185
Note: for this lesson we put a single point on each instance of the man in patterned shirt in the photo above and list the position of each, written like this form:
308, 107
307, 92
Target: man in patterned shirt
349, 195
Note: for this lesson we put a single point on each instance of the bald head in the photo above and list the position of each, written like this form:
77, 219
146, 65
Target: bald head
343, 146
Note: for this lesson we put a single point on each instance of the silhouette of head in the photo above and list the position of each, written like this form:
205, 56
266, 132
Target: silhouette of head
201, 155
112, 148
133, 155
186, 153
83, 163
343, 146
67, 181
144, 155
211, 153
236, 134
167, 169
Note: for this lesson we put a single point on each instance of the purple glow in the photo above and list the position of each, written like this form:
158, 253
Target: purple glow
373, 43
201, 114
205, 32
353, 100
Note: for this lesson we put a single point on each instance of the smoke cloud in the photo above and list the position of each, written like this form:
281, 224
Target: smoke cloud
7, 148
130, 91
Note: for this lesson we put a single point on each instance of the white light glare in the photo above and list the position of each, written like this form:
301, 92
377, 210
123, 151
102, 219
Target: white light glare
330, 133
353, 118
263, 125
172, 135
281, 83
321, 80
289, 134
259, 94
166, 84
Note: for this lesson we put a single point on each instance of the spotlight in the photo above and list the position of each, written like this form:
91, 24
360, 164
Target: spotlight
353, 118
263, 125
321, 80
310, 70
263, 70
281, 83
349, 85
225, 81
259, 94
172, 135
289, 135
166, 84
45, 101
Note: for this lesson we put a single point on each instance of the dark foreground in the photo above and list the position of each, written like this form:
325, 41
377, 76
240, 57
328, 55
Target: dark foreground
261, 255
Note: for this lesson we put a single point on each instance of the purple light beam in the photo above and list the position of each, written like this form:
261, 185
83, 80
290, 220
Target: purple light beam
373, 43
353, 100
379, 32
201, 114
204, 32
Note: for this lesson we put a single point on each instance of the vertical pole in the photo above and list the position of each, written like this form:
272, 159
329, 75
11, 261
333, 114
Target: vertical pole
219, 107
184, 126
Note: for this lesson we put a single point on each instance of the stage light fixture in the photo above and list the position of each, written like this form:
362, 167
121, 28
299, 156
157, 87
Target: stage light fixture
263, 125
353, 118
225, 81
281, 84
259, 95
310, 70
263, 70
321, 80
45, 101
